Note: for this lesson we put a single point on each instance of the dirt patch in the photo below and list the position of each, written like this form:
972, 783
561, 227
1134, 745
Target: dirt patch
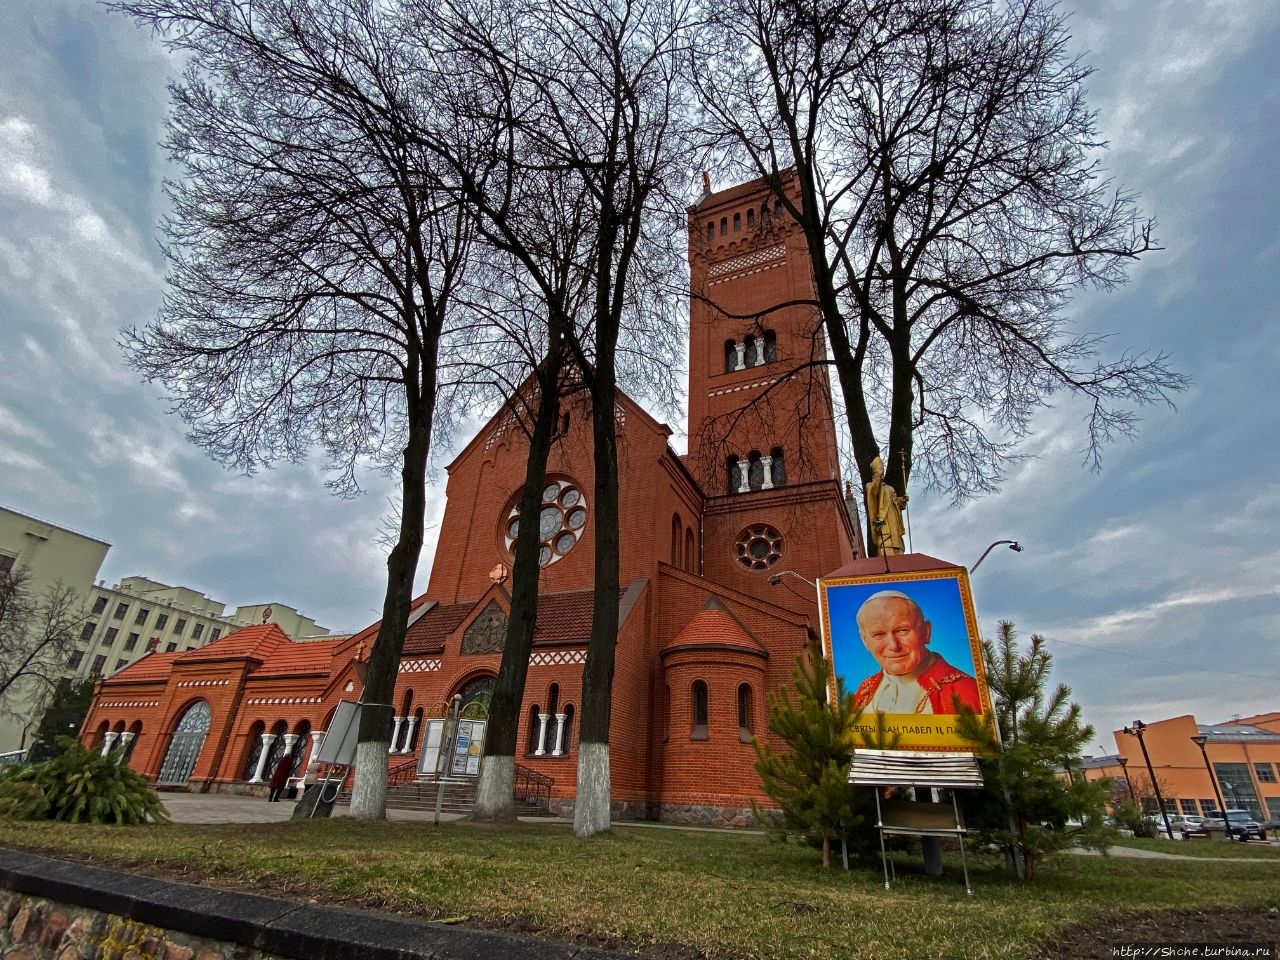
1094, 941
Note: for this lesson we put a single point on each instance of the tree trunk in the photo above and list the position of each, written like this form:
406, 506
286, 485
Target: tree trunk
369, 793
591, 812
495, 793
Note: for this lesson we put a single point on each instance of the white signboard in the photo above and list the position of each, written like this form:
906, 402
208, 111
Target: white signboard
467, 748
429, 760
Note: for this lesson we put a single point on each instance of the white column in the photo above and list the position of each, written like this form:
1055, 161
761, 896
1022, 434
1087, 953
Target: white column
767, 464
317, 739
408, 733
744, 475
108, 741
760, 353
289, 740
267, 739
125, 739
557, 750
542, 734
741, 350
395, 735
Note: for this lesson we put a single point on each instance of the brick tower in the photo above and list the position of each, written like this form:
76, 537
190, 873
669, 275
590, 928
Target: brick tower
762, 439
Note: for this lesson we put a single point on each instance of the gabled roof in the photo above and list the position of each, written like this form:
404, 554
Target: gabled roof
562, 618
904, 563
258, 642
428, 634
154, 666
297, 659
715, 628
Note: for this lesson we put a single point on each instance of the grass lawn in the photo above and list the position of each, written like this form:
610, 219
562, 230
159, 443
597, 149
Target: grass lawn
730, 895
1215, 848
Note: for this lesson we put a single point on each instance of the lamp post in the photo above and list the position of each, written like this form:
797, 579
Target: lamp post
1136, 731
1124, 769
1200, 741
1014, 545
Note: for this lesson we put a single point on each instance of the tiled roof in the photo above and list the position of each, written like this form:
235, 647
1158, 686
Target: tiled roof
258, 641
154, 666
714, 626
298, 658
562, 618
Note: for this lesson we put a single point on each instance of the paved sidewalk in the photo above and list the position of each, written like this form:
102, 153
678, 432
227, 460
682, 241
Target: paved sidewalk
233, 808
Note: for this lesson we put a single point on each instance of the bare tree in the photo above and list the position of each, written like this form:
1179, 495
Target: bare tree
314, 260
37, 635
947, 179
570, 109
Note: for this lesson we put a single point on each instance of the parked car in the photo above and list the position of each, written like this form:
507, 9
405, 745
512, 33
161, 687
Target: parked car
1195, 827
1242, 826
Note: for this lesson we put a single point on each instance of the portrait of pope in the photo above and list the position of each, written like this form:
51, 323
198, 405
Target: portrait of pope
912, 677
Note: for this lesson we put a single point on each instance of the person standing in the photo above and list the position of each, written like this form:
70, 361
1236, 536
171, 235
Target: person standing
280, 777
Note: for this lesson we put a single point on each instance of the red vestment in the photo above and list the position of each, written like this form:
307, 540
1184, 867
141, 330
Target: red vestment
944, 684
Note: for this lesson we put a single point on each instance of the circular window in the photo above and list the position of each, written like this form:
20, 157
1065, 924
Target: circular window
561, 521
759, 547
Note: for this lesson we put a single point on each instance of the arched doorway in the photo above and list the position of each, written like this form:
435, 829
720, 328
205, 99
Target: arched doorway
185, 747
477, 694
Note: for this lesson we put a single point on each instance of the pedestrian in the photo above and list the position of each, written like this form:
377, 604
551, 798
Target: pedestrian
280, 777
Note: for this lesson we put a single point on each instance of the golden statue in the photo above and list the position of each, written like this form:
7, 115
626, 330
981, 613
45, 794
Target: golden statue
884, 513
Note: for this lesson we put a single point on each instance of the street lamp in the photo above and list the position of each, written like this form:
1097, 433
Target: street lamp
1200, 741
776, 578
1136, 731
1014, 545
1124, 769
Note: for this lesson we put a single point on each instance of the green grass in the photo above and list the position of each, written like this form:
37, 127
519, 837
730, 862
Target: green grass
1215, 848
730, 895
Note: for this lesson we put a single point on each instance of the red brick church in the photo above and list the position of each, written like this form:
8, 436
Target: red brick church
709, 621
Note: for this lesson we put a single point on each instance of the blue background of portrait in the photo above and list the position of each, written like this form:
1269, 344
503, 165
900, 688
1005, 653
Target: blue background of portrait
939, 599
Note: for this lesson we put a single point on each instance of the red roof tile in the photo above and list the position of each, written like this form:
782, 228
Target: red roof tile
154, 666
428, 633
714, 626
298, 658
258, 642
562, 618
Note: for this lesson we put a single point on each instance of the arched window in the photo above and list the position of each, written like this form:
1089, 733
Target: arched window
253, 749
751, 354
751, 217
730, 356
566, 731
711, 229
764, 214
186, 744
734, 473
755, 471
690, 553
698, 730
136, 729
745, 724
770, 346
676, 539
301, 747
417, 730
534, 725
777, 468
724, 226
777, 208
737, 222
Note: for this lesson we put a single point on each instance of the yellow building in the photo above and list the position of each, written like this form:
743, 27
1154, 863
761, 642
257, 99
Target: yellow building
52, 555
1198, 765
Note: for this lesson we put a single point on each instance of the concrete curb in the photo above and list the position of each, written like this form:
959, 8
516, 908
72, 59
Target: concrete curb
269, 924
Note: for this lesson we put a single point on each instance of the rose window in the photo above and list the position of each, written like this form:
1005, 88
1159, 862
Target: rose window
561, 520
759, 547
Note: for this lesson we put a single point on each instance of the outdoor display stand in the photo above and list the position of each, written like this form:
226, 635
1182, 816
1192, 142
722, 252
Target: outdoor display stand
903, 768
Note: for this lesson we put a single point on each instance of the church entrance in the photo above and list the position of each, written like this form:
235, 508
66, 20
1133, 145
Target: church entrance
184, 748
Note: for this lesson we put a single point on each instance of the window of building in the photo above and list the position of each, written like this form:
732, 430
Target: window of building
87, 631
171, 646
1208, 807
690, 552
119, 664
100, 604
1187, 807
1265, 772
99, 662
737, 223
699, 718
744, 713
777, 468
197, 631
566, 730
217, 632
6, 564
562, 519
141, 618
755, 471
770, 347
730, 356
724, 226
535, 729
110, 636
751, 216
735, 473
121, 610
1237, 787
132, 642
711, 230
76, 658
759, 547
161, 621
179, 626
677, 538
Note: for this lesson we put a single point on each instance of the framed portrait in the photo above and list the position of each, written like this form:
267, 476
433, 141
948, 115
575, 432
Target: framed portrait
906, 645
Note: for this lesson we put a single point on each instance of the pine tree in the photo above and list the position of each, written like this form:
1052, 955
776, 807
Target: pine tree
1027, 806
809, 781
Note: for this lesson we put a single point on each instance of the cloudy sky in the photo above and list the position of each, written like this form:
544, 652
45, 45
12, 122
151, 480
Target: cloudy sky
1156, 580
